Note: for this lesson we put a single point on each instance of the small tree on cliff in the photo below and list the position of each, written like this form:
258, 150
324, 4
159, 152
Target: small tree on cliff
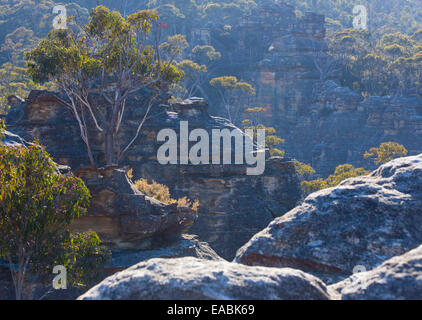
386, 152
234, 95
341, 173
37, 205
271, 139
112, 59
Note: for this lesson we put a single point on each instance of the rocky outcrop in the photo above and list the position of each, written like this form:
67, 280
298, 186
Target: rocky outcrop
190, 278
186, 246
233, 206
323, 123
399, 278
123, 217
363, 221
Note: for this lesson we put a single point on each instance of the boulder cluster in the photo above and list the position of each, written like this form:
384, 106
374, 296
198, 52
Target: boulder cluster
359, 240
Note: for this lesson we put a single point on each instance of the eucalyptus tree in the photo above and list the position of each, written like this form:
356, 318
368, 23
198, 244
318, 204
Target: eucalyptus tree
110, 60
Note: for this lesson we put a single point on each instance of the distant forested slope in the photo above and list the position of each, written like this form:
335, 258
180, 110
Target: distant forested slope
368, 58
384, 15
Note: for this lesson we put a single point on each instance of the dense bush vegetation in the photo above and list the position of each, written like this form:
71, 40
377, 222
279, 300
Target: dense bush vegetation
386, 152
341, 173
378, 65
37, 205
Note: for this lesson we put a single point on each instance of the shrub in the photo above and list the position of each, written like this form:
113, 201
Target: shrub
386, 152
342, 172
161, 193
304, 170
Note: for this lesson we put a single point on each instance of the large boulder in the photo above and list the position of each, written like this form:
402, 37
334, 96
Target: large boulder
125, 218
362, 222
190, 278
399, 278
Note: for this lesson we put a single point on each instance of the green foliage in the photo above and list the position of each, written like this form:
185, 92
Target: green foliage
377, 66
37, 205
341, 173
14, 81
224, 83
312, 186
174, 46
82, 255
114, 57
234, 95
272, 141
304, 171
24, 22
386, 152
384, 16
193, 74
274, 152
190, 68
205, 54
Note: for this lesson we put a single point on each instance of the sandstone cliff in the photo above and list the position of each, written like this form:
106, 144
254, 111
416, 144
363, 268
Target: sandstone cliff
324, 124
233, 207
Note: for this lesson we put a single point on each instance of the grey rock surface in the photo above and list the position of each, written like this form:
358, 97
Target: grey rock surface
399, 278
191, 278
187, 246
363, 221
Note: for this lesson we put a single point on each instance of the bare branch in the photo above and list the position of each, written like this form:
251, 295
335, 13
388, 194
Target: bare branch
120, 156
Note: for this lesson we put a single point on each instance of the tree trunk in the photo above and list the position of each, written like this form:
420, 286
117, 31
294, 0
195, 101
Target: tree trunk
109, 147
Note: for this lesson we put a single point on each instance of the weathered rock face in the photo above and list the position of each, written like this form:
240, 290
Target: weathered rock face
233, 207
12, 140
123, 217
363, 221
399, 278
190, 278
323, 123
273, 49
338, 131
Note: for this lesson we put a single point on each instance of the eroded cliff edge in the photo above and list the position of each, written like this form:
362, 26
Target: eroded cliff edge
234, 206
